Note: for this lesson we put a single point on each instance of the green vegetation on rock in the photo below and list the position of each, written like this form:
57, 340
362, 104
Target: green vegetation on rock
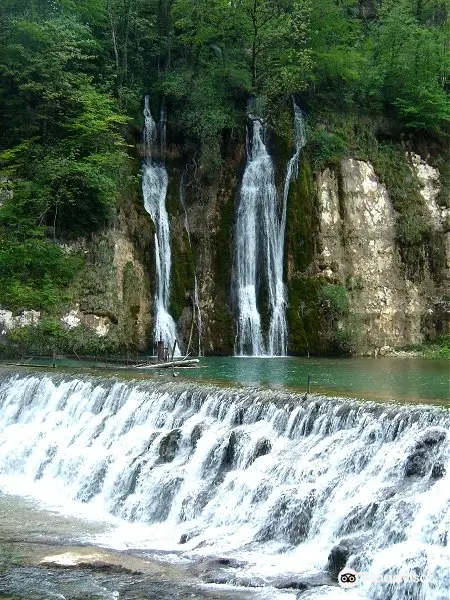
371, 77
302, 219
438, 348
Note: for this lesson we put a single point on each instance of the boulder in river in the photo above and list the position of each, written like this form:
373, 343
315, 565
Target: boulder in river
168, 446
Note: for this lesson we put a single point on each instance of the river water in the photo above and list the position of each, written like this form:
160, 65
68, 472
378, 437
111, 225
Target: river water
395, 379
121, 489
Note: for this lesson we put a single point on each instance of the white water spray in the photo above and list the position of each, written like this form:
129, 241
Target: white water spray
272, 479
278, 334
257, 205
154, 189
260, 232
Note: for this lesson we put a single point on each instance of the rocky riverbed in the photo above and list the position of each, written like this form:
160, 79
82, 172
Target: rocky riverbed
45, 555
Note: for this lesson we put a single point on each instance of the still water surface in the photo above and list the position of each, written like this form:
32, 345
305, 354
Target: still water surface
403, 379
384, 379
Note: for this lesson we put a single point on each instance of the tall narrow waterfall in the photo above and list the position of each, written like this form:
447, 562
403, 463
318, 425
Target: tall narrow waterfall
257, 204
277, 343
260, 232
279, 481
154, 189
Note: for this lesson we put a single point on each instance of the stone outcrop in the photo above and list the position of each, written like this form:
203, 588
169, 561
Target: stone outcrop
358, 248
341, 230
9, 320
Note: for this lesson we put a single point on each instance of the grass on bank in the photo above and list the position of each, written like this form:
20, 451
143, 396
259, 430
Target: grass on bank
438, 348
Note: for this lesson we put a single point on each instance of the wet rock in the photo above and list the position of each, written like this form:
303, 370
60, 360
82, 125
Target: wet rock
194, 503
93, 485
343, 411
159, 506
248, 581
361, 517
289, 520
189, 535
104, 567
418, 462
232, 563
432, 437
438, 471
337, 559
196, 434
219, 570
222, 458
308, 424
230, 451
50, 454
263, 447
299, 582
168, 446
291, 585
239, 416
217, 578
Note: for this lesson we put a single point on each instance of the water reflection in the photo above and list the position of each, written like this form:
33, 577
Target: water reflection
412, 379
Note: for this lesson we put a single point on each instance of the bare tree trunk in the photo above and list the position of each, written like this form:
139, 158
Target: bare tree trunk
114, 42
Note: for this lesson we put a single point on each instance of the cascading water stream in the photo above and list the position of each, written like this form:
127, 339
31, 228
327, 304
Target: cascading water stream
154, 189
275, 480
196, 299
163, 131
277, 342
260, 233
257, 209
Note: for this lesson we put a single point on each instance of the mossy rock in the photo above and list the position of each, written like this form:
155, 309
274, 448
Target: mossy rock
302, 225
222, 322
182, 276
306, 323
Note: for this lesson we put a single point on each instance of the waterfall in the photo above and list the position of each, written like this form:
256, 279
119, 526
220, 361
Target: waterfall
260, 244
276, 480
163, 131
154, 189
196, 298
257, 209
278, 335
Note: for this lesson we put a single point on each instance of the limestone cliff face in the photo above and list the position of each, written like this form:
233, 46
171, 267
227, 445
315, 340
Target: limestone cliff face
340, 237
207, 251
341, 231
358, 248
112, 296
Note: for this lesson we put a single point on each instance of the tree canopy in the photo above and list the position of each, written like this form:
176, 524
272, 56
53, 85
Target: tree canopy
74, 73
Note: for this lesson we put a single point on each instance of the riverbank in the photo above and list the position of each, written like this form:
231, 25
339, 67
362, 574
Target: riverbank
46, 554
437, 349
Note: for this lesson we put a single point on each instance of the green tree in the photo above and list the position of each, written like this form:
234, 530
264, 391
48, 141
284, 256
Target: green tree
410, 64
61, 150
276, 33
336, 40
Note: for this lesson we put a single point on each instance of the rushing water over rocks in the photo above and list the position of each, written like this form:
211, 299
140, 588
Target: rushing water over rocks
260, 231
289, 488
154, 189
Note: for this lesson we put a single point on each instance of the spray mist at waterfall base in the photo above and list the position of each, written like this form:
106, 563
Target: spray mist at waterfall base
251, 493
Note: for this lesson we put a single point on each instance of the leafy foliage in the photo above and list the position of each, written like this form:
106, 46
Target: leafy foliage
73, 74
410, 62
61, 151
334, 300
